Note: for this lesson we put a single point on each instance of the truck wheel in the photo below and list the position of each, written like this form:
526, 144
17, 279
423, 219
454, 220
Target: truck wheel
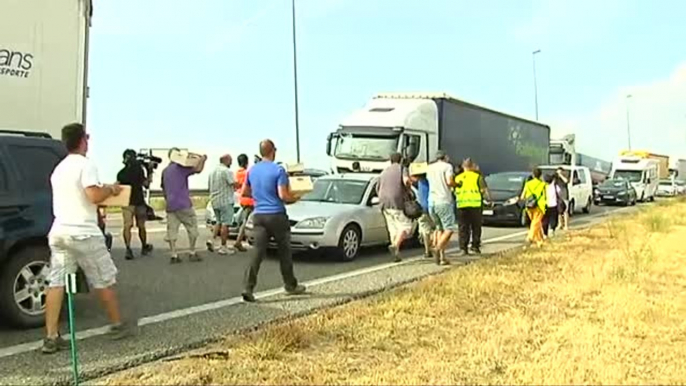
349, 242
587, 208
23, 282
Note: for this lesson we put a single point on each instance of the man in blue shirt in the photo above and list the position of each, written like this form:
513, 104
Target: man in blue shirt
268, 185
426, 225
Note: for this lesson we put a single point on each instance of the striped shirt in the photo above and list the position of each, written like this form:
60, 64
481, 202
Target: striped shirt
221, 187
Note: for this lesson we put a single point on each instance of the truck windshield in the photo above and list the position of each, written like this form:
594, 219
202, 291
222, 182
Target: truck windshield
629, 175
365, 147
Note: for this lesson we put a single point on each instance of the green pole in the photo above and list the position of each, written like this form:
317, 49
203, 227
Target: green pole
71, 290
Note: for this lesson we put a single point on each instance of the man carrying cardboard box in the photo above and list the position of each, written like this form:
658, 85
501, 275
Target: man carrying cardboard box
179, 205
268, 185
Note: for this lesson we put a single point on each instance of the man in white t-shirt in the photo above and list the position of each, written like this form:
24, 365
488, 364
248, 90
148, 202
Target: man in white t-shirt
76, 240
441, 207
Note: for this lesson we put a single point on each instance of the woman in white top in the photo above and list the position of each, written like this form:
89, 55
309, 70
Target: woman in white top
552, 198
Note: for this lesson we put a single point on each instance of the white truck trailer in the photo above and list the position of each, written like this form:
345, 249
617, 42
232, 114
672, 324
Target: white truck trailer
43, 64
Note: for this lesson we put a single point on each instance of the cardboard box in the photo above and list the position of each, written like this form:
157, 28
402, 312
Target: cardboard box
300, 185
185, 158
294, 168
418, 168
122, 199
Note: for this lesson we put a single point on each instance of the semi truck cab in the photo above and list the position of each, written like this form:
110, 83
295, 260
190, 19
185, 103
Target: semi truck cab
382, 127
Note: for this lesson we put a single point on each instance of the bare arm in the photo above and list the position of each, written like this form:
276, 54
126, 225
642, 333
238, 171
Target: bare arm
247, 191
97, 194
286, 195
201, 165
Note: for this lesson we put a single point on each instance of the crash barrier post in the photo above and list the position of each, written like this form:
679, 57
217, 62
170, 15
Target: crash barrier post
72, 289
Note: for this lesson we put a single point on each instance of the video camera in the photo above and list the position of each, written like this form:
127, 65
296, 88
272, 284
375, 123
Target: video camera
149, 161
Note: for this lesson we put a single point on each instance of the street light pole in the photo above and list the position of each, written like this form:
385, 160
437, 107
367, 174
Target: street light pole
535, 81
295, 86
628, 121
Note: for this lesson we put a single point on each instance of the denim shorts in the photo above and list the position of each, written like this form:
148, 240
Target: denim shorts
224, 216
443, 216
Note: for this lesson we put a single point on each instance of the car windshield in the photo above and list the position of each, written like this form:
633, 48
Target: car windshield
365, 147
506, 182
629, 175
337, 191
612, 184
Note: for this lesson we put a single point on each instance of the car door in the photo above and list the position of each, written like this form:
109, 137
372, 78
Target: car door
575, 191
374, 223
585, 186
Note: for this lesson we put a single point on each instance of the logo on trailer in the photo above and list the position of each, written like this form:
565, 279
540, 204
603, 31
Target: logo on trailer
15, 63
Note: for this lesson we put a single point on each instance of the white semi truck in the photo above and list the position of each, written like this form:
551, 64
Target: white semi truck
43, 64
418, 125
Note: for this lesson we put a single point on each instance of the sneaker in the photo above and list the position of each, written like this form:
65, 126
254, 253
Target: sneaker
194, 257
248, 297
174, 260
129, 254
428, 254
240, 248
476, 251
395, 253
210, 245
121, 330
147, 249
222, 250
53, 345
298, 290
444, 261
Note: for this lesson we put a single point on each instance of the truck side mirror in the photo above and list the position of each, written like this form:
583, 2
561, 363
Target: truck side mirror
328, 144
375, 201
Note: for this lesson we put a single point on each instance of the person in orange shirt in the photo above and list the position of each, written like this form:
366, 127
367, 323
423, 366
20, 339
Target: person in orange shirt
247, 203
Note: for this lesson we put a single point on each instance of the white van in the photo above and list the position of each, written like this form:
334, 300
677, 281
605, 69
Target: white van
642, 173
580, 186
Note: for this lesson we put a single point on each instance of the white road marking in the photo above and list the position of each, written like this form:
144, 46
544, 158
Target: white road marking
165, 316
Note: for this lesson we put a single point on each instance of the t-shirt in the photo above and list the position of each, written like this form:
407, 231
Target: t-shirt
423, 193
391, 187
175, 187
221, 187
264, 180
241, 176
552, 193
563, 189
438, 174
133, 175
75, 214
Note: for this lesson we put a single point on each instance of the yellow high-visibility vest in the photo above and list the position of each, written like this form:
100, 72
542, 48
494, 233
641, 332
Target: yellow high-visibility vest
537, 188
468, 195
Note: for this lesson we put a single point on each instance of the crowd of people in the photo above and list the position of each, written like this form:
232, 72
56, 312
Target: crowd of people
453, 199
445, 197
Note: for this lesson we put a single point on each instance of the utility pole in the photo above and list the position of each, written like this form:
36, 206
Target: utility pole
533, 55
628, 121
295, 86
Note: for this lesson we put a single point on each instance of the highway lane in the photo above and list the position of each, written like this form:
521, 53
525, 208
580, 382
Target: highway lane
150, 285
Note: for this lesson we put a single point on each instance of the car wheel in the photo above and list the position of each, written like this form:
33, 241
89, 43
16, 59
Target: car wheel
23, 282
587, 208
349, 243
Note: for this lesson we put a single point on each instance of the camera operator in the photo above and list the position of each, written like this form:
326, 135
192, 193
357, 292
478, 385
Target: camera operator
133, 174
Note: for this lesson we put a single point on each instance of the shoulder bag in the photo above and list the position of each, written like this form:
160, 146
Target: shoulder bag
411, 208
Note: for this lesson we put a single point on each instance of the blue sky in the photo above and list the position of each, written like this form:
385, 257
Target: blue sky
216, 75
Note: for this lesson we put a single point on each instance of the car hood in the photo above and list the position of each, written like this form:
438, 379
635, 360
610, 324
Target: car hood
611, 190
302, 210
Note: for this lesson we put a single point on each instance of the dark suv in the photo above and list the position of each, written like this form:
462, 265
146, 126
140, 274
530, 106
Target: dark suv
26, 163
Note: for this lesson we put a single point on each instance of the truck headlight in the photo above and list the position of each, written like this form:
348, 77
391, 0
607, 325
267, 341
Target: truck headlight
312, 223
512, 201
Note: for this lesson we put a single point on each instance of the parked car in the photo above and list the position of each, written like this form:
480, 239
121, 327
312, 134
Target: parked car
341, 213
615, 191
26, 163
667, 188
211, 220
506, 189
680, 186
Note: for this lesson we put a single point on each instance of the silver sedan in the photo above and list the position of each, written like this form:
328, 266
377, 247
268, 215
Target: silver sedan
341, 213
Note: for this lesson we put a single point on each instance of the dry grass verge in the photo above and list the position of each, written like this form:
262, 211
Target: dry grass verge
606, 305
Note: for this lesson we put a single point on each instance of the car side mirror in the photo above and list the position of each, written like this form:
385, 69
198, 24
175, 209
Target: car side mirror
647, 180
375, 201
328, 144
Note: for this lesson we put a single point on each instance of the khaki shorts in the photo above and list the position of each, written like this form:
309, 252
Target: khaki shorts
67, 253
396, 223
426, 224
186, 217
139, 212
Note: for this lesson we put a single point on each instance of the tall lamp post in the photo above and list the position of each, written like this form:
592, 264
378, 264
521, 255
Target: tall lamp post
295, 86
535, 81
628, 122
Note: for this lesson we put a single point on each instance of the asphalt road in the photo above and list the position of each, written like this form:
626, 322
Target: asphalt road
150, 285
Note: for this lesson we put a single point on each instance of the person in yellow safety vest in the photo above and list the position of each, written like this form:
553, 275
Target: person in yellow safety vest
469, 193
534, 197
